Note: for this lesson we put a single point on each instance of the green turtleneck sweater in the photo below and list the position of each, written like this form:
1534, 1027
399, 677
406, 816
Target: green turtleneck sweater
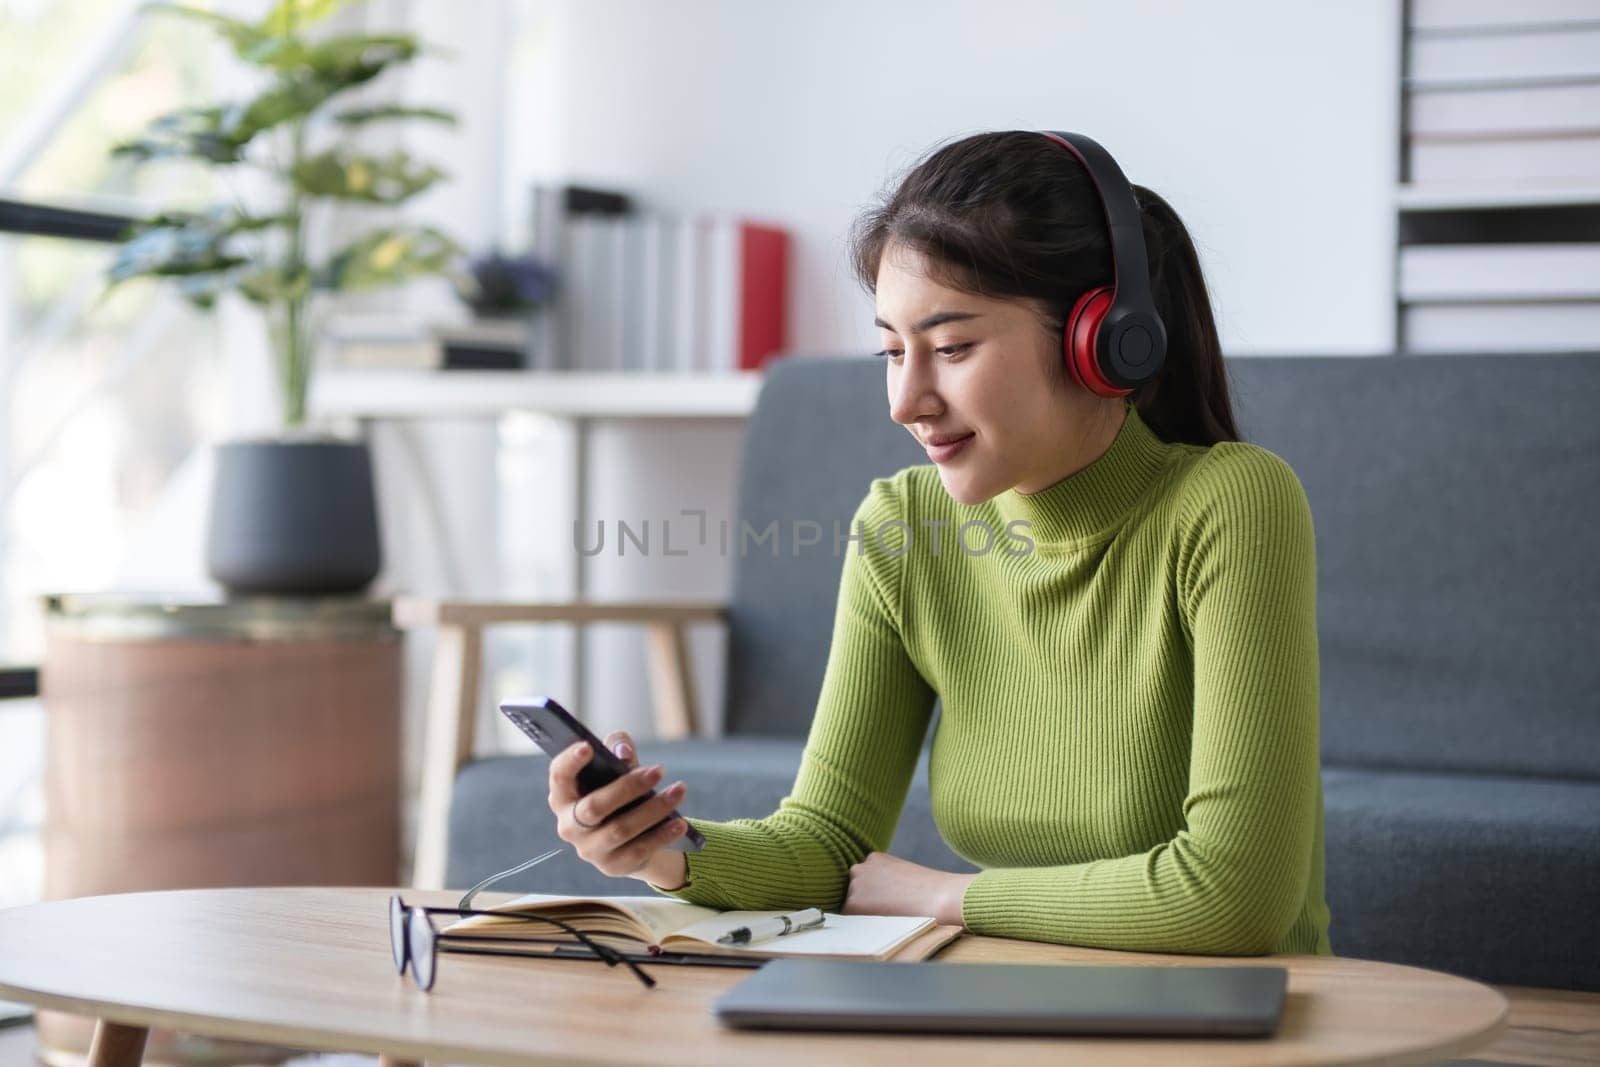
1128, 745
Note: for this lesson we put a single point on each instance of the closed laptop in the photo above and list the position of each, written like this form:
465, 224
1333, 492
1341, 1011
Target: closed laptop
1009, 998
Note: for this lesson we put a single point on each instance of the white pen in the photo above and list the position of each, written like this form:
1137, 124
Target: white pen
777, 926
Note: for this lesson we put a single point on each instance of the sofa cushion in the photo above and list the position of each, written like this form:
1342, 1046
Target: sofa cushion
780, 609
1458, 593
500, 812
1494, 878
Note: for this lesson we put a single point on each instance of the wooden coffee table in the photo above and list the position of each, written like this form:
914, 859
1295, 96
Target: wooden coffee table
311, 968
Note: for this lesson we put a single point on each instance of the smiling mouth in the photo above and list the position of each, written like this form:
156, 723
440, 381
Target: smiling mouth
948, 451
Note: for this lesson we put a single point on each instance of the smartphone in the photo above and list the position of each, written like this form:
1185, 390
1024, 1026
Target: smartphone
555, 729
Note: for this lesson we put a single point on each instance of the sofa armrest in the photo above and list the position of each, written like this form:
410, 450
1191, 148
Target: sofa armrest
449, 733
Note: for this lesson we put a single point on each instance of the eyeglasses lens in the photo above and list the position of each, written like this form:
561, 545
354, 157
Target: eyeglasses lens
397, 933
424, 953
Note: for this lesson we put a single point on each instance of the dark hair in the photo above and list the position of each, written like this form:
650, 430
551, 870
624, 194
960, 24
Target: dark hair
1014, 215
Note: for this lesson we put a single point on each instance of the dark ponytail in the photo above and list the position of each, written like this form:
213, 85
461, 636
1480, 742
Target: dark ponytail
1013, 215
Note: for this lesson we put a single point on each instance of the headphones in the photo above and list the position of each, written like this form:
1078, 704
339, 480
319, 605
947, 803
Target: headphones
1114, 340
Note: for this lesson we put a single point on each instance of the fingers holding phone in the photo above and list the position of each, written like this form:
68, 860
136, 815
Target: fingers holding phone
613, 828
620, 743
622, 824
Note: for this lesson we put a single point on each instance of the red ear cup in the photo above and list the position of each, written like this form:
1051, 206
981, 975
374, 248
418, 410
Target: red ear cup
1083, 323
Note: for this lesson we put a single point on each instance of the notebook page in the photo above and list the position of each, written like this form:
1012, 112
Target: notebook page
852, 935
658, 915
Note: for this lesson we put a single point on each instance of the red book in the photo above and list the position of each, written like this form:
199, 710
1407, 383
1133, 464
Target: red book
748, 307
764, 294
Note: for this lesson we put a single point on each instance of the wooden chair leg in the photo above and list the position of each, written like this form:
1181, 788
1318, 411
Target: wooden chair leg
117, 1045
671, 681
448, 740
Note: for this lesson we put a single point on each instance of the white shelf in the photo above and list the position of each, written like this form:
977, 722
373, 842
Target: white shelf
1494, 195
388, 394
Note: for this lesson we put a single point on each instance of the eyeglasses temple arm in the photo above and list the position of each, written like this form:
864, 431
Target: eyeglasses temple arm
466, 901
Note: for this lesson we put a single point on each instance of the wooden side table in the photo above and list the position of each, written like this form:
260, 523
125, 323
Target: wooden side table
245, 742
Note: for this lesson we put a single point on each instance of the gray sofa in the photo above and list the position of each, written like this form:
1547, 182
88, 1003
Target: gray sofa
1456, 501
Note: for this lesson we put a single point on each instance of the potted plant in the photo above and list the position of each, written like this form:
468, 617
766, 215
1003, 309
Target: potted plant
294, 513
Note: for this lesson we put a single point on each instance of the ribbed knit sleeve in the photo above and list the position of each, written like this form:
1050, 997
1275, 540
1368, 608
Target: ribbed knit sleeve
872, 714
1233, 879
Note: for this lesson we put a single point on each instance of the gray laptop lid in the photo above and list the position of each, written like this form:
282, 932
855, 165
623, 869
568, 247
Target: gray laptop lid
1011, 998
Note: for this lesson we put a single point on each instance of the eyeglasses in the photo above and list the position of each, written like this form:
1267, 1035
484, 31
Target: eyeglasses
416, 943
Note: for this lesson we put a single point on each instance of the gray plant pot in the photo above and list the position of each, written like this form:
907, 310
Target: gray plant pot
294, 516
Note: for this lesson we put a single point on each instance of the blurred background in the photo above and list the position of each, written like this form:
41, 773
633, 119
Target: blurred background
1372, 179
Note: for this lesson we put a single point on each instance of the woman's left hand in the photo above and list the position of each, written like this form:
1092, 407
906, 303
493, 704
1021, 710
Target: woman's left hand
883, 884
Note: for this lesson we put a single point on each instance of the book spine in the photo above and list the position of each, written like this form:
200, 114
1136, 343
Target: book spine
1500, 272
1502, 327
722, 294
582, 337
648, 294
1534, 109
549, 242
763, 295
700, 351
686, 330
1547, 53
1486, 14
613, 283
1554, 158
409, 355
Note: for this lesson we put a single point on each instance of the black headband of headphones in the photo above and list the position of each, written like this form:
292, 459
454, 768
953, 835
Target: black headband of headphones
1131, 334
1130, 267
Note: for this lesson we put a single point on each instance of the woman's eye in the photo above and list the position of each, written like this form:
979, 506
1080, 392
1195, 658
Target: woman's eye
947, 350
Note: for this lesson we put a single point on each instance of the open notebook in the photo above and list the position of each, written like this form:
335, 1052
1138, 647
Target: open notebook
652, 924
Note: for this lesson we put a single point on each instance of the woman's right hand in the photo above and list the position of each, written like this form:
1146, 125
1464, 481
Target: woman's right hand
624, 845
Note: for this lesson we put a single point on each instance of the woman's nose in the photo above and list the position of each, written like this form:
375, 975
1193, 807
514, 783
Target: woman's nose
913, 394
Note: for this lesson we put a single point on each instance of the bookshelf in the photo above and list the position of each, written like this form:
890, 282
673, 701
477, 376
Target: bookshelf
384, 393
1498, 200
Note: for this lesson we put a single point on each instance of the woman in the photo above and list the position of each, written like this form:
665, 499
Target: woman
1128, 746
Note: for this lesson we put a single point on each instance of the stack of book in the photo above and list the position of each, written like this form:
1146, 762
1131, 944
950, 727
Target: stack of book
1501, 297
1502, 92
1500, 201
703, 293
403, 342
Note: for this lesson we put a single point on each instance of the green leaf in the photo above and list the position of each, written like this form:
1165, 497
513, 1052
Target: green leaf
290, 16
274, 285
357, 116
388, 256
285, 101
348, 59
192, 247
356, 58
171, 251
192, 133
388, 179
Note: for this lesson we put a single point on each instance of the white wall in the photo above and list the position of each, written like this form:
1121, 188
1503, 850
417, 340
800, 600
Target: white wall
1270, 127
